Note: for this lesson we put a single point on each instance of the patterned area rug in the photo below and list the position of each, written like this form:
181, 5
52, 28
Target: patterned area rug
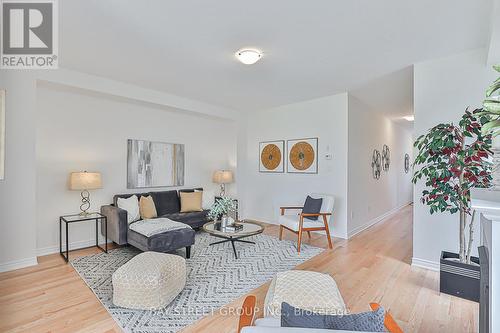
214, 279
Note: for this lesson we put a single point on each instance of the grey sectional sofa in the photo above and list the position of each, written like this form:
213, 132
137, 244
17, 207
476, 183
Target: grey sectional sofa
167, 205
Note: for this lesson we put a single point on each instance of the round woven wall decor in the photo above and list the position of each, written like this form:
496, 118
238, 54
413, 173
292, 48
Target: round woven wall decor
301, 155
270, 156
376, 161
407, 163
386, 158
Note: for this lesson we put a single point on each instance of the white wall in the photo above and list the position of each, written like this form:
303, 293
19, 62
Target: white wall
262, 194
370, 200
79, 130
17, 195
443, 89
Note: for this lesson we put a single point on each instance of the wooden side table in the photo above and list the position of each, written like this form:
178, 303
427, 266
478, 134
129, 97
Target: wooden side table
68, 219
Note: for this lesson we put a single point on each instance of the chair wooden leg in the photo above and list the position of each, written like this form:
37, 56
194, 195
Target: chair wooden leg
309, 234
300, 234
330, 244
281, 232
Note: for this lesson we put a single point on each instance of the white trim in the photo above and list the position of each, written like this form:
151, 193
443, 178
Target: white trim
18, 264
376, 220
43, 251
427, 264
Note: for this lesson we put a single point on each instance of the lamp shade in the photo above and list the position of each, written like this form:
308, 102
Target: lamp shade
222, 177
85, 181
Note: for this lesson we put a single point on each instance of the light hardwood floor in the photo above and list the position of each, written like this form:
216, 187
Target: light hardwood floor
372, 266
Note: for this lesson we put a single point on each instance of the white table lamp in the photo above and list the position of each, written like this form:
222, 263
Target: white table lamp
84, 181
223, 177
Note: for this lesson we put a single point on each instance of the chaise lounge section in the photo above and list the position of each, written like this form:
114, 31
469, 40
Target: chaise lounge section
168, 205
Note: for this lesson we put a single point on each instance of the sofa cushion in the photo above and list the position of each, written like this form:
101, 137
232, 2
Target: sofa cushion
166, 202
371, 321
165, 242
194, 219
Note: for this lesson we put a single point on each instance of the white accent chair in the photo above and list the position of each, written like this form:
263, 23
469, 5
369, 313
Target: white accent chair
298, 223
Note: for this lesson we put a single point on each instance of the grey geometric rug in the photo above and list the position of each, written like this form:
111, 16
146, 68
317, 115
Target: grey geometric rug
214, 279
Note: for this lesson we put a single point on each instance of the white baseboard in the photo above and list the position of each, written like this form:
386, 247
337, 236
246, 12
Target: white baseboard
17, 264
43, 251
376, 220
427, 264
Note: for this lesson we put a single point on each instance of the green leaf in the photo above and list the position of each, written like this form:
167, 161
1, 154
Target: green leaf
497, 67
494, 87
492, 105
491, 126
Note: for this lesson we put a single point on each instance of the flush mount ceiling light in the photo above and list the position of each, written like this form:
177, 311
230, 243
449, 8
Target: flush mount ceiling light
248, 56
409, 118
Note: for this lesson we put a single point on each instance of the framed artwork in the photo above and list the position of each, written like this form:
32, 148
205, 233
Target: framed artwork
2, 134
154, 164
302, 155
272, 156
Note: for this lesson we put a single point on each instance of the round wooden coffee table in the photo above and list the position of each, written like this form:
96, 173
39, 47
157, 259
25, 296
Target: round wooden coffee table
250, 228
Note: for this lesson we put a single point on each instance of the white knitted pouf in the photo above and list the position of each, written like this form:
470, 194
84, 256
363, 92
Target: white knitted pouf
149, 281
313, 291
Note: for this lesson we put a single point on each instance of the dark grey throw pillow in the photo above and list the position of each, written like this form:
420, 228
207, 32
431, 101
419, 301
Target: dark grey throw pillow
372, 321
312, 206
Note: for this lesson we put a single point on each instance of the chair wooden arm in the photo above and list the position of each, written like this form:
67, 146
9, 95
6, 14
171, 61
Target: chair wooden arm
389, 322
248, 312
282, 209
314, 214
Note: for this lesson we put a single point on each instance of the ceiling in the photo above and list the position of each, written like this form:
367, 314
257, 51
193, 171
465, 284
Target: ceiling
390, 95
311, 48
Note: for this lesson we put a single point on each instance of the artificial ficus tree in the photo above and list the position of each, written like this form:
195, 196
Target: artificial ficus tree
452, 160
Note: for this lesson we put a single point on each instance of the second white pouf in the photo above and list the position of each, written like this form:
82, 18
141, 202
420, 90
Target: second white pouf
149, 281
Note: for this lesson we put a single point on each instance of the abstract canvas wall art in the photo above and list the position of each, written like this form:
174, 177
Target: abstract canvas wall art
271, 156
2, 134
154, 164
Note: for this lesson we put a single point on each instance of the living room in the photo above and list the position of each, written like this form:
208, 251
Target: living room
228, 116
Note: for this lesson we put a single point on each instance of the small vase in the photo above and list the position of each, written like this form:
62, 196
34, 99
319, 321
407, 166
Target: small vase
224, 222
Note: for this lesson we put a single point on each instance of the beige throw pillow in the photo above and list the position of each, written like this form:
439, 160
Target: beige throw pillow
191, 202
147, 208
